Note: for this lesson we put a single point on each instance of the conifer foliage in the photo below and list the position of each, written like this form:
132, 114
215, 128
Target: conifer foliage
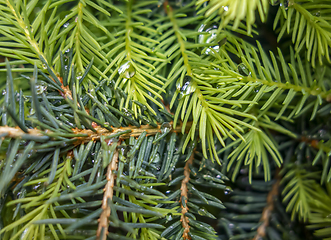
165, 119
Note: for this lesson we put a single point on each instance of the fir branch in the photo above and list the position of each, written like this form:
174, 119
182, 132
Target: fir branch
198, 97
248, 213
321, 210
21, 33
184, 197
254, 150
299, 191
132, 60
42, 207
108, 196
316, 91
235, 11
292, 83
101, 105
308, 27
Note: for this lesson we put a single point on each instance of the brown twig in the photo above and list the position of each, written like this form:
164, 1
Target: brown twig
16, 132
185, 221
267, 211
319, 145
108, 196
66, 90
135, 131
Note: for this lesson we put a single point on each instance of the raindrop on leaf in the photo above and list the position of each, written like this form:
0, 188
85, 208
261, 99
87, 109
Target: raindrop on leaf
31, 111
126, 69
127, 113
209, 38
169, 217
187, 87
243, 70
79, 75
166, 127
40, 88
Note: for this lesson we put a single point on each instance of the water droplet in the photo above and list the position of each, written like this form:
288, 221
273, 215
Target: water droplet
286, 4
167, 192
109, 141
66, 24
4, 92
24, 233
169, 217
44, 66
202, 212
32, 111
166, 127
243, 70
218, 176
187, 87
318, 14
68, 50
199, 180
79, 75
322, 133
127, 113
243, 171
126, 69
40, 88
37, 187
229, 189
201, 28
209, 38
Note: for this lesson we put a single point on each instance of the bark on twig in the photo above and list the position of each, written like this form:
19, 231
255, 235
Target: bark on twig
16, 132
185, 221
108, 196
267, 211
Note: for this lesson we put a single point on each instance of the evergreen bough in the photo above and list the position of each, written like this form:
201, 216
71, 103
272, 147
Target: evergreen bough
203, 119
